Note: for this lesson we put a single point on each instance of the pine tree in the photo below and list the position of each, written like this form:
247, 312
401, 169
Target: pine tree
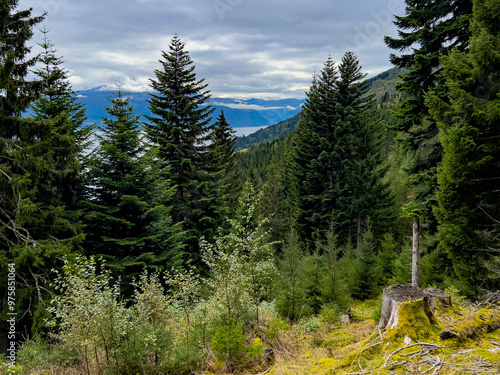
58, 96
428, 29
469, 120
367, 276
179, 126
292, 301
59, 100
309, 142
332, 149
223, 162
35, 229
123, 213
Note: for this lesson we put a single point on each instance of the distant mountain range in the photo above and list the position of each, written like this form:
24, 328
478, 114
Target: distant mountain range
238, 112
273, 116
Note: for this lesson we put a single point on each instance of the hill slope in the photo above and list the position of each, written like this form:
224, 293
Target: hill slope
381, 86
268, 134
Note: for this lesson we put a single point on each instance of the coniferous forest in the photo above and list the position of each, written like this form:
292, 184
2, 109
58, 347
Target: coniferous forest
149, 245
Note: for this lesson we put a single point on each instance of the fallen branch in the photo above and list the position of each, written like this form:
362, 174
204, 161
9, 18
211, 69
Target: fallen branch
424, 344
391, 366
437, 362
361, 352
265, 372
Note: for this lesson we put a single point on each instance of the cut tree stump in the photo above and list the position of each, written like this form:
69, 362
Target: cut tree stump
437, 299
395, 295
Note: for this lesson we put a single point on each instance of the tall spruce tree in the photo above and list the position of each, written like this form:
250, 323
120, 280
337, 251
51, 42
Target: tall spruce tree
35, 229
59, 100
179, 126
330, 147
221, 159
469, 120
428, 30
125, 211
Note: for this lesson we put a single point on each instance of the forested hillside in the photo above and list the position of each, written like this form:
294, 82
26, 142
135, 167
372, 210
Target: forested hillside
160, 249
382, 86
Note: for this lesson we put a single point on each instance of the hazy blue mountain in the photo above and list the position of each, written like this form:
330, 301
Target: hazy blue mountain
238, 112
271, 118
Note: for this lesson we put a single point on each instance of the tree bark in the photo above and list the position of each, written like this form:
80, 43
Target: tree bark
415, 254
395, 295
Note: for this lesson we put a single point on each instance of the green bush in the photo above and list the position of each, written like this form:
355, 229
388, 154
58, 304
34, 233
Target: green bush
330, 313
37, 351
273, 330
377, 309
255, 350
228, 343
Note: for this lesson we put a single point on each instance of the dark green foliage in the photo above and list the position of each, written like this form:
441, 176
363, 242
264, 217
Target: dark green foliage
58, 96
402, 266
224, 168
36, 157
335, 155
469, 121
179, 126
126, 217
292, 301
273, 205
257, 159
367, 276
58, 100
428, 29
386, 258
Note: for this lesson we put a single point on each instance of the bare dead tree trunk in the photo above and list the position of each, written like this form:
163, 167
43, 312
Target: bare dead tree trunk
415, 254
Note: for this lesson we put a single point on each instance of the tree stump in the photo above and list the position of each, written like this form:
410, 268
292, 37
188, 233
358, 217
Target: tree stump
395, 295
437, 299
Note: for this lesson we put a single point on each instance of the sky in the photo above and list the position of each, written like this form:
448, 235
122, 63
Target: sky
242, 48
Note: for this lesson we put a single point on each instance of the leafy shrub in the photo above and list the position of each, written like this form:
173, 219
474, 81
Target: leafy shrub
308, 324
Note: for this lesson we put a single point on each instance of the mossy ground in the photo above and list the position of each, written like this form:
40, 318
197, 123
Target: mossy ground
358, 346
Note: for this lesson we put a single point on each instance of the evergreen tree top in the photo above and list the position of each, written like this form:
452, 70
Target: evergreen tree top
58, 96
16, 28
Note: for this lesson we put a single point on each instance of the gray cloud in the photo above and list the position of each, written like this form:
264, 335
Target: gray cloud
241, 47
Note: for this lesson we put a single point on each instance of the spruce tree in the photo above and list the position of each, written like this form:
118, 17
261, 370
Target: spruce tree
127, 193
35, 229
292, 301
59, 100
427, 30
223, 162
367, 274
469, 120
332, 148
179, 126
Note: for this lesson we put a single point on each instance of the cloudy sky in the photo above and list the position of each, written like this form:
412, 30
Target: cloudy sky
243, 48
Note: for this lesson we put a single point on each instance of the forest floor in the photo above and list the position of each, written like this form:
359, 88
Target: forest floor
464, 339
471, 345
